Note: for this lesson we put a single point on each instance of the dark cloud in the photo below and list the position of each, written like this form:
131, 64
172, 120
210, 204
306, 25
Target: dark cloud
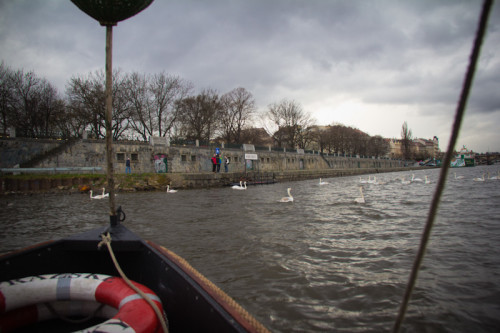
383, 54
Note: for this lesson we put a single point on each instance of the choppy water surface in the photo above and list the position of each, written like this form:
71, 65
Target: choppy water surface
322, 263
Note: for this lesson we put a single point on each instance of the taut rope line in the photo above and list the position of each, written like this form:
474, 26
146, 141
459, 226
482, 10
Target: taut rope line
447, 160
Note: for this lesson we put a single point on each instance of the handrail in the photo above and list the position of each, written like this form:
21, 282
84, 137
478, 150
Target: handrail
31, 170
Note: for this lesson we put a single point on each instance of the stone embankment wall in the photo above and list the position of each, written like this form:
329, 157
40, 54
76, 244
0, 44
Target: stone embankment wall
148, 158
17, 151
187, 166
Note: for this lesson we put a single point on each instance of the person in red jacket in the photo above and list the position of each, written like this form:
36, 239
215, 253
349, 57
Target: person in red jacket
214, 163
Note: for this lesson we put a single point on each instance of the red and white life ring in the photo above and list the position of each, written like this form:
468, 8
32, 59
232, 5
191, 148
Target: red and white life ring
19, 299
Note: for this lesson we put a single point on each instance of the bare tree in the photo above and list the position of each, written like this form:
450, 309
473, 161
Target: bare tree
142, 118
166, 90
359, 142
29, 103
49, 109
406, 139
6, 97
25, 101
339, 139
238, 107
378, 146
197, 115
288, 120
86, 97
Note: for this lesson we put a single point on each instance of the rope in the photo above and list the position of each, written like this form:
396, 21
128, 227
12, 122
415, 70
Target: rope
220, 296
447, 160
106, 239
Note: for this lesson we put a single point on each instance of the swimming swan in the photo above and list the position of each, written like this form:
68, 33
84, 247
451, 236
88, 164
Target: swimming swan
479, 179
405, 182
362, 198
169, 190
236, 187
97, 196
413, 179
427, 180
104, 194
322, 182
458, 177
289, 198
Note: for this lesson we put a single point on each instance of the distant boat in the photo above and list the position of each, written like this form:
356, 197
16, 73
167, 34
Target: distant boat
464, 158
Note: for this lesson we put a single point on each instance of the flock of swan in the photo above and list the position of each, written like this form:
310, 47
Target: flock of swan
360, 199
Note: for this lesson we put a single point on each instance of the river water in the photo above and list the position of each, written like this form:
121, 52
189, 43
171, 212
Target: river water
321, 263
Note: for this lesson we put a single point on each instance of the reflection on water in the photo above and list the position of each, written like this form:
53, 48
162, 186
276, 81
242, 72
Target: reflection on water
321, 263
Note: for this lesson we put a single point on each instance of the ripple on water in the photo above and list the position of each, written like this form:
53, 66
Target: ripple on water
322, 263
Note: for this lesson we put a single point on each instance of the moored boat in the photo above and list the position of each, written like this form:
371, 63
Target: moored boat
464, 158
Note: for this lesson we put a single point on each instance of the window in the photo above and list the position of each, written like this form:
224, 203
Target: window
120, 157
262, 160
183, 158
268, 160
193, 158
134, 157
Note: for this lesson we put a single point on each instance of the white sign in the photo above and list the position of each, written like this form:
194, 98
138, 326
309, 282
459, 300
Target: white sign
251, 157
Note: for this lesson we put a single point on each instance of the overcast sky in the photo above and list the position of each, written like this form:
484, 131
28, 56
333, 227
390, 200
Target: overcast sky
367, 64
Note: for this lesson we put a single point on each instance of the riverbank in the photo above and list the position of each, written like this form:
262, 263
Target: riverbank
19, 184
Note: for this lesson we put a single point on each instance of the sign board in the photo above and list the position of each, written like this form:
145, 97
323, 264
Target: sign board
248, 147
251, 157
217, 151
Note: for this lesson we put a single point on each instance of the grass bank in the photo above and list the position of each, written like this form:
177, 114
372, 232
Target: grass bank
81, 182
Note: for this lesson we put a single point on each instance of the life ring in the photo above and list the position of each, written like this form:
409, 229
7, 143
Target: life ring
24, 294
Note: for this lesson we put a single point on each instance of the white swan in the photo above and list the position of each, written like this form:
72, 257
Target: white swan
405, 182
413, 179
458, 177
427, 180
97, 196
236, 187
362, 198
479, 179
494, 177
104, 194
169, 190
322, 182
372, 181
364, 181
289, 198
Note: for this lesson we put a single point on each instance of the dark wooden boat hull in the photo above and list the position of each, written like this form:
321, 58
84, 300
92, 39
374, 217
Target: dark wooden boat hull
192, 303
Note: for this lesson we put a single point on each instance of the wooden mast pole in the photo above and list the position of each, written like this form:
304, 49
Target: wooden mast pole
108, 14
109, 120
